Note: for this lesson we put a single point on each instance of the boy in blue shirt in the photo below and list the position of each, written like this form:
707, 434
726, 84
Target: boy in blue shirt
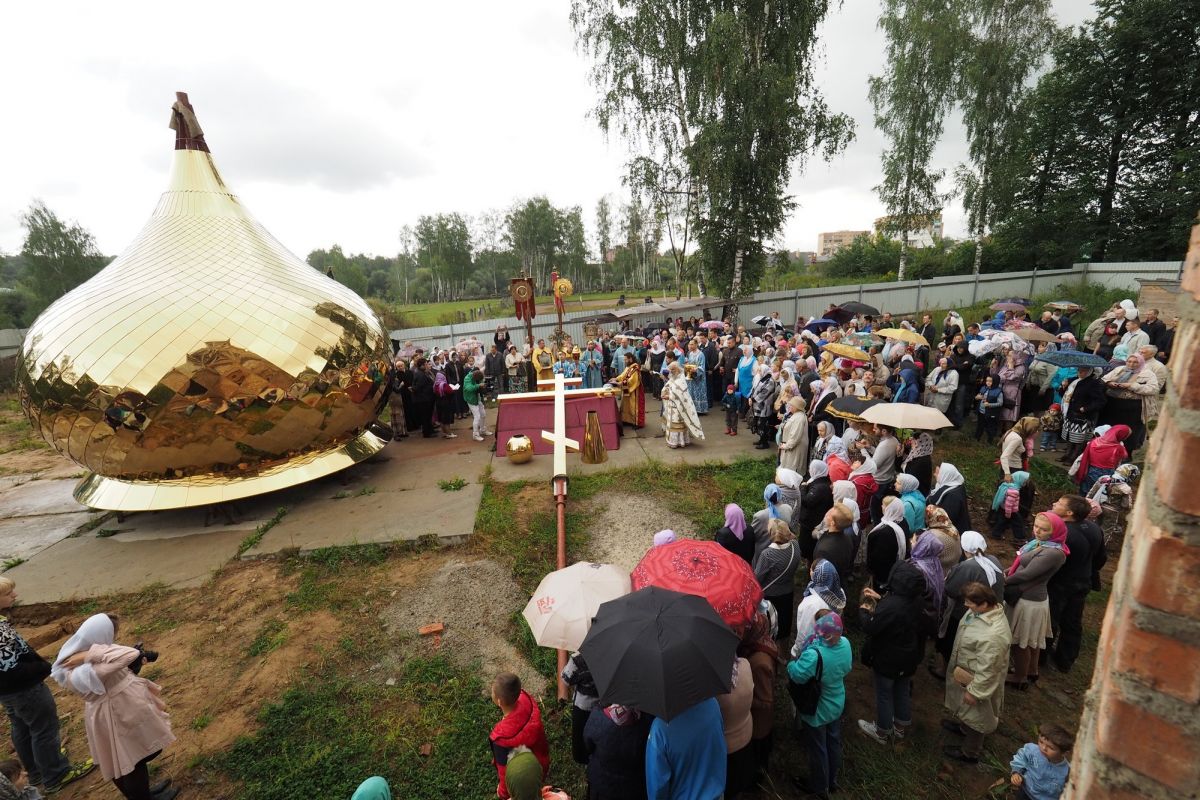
1039, 771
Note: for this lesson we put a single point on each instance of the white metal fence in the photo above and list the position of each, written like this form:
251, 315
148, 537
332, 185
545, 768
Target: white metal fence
899, 297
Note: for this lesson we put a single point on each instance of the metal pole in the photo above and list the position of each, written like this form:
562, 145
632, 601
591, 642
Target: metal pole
1033, 283
560, 510
919, 282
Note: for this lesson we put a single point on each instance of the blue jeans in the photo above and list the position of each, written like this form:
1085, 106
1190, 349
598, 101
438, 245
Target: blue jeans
893, 702
34, 721
824, 744
1049, 440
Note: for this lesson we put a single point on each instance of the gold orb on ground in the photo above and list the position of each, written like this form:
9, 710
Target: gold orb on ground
206, 362
519, 449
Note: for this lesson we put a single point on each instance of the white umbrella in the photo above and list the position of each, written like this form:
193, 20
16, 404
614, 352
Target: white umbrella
561, 610
907, 415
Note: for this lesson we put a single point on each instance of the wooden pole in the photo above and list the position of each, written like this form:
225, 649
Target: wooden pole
558, 485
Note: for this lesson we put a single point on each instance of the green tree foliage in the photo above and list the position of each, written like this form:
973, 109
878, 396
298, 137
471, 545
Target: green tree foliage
1108, 163
721, 94
1005, 43
603, 235
444, 248
534, 231
57, 256
924, 48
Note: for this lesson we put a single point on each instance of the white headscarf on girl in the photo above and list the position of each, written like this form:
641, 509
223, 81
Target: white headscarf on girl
96, 629
867, 467
974, 545
893, 515
852, 504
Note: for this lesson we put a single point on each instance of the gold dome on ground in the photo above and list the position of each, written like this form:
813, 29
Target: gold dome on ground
206, 362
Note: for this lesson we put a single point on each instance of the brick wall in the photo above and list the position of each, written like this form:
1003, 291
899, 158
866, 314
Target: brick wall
1140, 732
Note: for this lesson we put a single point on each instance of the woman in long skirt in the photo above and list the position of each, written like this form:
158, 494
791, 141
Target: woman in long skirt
696, 383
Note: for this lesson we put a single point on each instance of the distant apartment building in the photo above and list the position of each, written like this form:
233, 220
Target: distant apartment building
830, 242
924, 236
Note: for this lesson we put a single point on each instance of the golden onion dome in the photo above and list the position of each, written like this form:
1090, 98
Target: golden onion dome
206, 362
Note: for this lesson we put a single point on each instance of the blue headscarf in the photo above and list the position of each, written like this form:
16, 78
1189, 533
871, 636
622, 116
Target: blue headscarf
826, 584
771, 496
1018, 480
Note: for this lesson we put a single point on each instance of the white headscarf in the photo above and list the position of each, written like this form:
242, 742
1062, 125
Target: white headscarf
948, 476
852, 504
817, 469
788, 478
844, 490
1131, 311
973, 542
867, 467
96, 629
893, 515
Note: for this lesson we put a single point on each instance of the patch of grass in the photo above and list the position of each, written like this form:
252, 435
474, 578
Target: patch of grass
104, 533
253, 539
452, 485
201, 721
270, 636
319, 573
9, 563
88, 608
342, 495
365, 491
325, 735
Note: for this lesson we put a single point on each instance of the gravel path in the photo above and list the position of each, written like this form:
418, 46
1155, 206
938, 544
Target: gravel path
474, 600
624, 525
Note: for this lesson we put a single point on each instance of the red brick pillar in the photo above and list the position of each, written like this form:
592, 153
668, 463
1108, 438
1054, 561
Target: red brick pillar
1140, 732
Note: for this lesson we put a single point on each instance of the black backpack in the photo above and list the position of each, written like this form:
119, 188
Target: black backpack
807, 695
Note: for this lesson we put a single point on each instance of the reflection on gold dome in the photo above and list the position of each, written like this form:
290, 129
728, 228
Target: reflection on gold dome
206, 362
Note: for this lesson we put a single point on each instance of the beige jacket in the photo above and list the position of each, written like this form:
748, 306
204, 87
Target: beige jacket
981, 648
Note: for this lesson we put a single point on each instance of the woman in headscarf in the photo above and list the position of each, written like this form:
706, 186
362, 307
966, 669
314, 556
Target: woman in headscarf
732, 535
1132, 399
836, 539
633, 394
775, 508
939, 524
826, 367
1011, 374
1101, 457
1083, 399
821, 443
962, 362
655, 356
775, 570
444, 403
918, 459
816, 498
823, 593
950, 494
374, 788
829, 391
863, 478
887, 543
738, 724
758, 647
908, 490
837, 458
893, 650
1026, 580
975, 674
614, 739
744, 377
908, 387
697, 381
927, 557
788, 481
793, 437
1017, 445
124, 716
681, 421
978, 567
941, 386
822, 729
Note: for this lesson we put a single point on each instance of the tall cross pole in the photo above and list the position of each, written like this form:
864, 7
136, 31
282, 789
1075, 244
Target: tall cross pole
559, 486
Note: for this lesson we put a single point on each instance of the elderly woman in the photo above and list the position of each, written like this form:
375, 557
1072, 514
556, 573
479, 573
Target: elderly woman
975, 672
937, 523
978, 567
918, 459
941, 385
820, 443
816, 498
1010, 371
793, 437
775, 508
697, 384
887, 543
1132, 399
775, 569
908, 489
680, 419
865, 486
950, 494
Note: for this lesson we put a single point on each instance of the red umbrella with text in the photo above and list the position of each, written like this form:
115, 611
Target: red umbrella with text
706, 569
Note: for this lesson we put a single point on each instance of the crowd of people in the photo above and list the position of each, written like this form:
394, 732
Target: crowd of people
865, 526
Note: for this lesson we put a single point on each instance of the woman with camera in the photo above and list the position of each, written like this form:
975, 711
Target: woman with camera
125, 719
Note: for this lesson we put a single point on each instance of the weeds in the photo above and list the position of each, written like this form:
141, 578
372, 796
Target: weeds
270, 637
342, 495
452, 485
365, 491
201, 721
253, 539
9, 563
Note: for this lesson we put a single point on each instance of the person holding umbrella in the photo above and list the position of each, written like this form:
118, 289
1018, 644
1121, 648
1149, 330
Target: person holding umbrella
829, 653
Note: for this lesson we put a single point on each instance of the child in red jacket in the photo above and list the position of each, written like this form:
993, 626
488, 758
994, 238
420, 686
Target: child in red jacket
521, 726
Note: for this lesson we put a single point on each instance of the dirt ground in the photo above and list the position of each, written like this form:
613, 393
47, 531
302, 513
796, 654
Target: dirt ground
623, 528
22, 452
214, 688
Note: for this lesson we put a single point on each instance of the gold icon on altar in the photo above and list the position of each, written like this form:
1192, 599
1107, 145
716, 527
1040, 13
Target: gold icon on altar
206, 362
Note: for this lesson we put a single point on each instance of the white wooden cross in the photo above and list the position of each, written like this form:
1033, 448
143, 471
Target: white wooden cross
559, 437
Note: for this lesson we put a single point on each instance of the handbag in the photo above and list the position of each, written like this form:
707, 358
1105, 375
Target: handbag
807, 695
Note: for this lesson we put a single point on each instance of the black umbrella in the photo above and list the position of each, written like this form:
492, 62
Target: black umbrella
840, 314
851, 406
659, 651
860, 308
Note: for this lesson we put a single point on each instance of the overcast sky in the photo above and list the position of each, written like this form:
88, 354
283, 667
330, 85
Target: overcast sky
339, 123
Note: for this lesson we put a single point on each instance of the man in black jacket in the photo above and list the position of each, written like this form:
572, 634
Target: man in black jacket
32, 715
1080, 573
730, 356
712, 360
